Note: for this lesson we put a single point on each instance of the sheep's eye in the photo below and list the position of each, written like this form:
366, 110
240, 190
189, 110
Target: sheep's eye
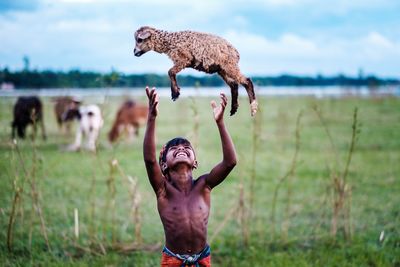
139, 40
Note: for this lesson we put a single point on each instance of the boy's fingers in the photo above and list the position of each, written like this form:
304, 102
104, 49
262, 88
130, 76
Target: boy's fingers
213, 104
153, 95
223, 104
224, 98
147, 91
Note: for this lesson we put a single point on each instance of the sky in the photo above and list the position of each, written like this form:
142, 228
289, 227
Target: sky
273, 37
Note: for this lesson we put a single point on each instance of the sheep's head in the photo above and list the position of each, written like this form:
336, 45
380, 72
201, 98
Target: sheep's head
143, 40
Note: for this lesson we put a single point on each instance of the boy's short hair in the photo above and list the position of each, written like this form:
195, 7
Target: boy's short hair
173, 142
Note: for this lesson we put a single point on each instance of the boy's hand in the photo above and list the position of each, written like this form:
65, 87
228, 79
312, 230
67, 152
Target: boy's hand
153, 101
219, 110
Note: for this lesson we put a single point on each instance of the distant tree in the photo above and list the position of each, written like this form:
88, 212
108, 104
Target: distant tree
26, 63
28, 78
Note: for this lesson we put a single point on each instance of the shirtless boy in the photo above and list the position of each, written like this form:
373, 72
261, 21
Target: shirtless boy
183, 202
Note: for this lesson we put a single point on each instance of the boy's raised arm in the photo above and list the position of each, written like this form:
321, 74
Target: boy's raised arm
222, 169
149, 144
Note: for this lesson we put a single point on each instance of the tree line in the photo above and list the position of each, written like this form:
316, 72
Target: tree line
86, 79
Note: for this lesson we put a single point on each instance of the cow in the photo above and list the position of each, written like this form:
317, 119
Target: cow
28, 110
61, 105
90, 123
129, 118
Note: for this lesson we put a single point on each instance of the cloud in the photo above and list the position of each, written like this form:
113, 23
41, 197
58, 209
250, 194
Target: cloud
292, 53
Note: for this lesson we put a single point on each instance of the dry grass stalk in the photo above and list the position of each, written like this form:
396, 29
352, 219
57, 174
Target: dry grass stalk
286, 221
341, 189
243, 218
222, 225
29, 176
16, 201
196, 123
284, 178
257, 122
136, 198
318, 112
239, 211
92, 211
110, 201
137, 219
76, 224
135, 209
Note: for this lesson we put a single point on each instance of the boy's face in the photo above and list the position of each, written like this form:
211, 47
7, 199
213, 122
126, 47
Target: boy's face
182, 153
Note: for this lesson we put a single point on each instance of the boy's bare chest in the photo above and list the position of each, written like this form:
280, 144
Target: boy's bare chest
184, 206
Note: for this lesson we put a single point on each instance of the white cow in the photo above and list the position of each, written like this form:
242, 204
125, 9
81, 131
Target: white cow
90, 123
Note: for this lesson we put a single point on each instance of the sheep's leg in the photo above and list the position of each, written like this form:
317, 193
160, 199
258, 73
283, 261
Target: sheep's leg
174, 85
234, 92
234, 95
248, 85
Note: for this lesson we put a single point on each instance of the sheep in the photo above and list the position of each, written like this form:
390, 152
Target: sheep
201, 51
90, 123
61, 106
27, 110
130, 117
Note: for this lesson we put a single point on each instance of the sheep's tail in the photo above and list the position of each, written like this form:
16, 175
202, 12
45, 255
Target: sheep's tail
234, 52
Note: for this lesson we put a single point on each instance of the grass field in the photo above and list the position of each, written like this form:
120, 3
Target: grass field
277, 208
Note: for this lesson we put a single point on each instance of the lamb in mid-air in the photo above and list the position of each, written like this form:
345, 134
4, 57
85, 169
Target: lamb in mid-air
200, 51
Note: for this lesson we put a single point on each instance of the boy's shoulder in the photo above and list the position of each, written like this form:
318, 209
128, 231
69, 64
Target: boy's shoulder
201, 181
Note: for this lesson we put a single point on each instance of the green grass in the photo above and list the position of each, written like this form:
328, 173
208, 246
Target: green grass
64, 182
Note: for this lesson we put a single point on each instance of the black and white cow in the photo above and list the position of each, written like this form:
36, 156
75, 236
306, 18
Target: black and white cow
90, 123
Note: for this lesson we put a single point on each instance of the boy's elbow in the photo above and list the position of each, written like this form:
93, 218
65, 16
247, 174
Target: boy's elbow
232, 163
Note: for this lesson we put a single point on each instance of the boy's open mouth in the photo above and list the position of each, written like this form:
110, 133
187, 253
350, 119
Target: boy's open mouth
181, 154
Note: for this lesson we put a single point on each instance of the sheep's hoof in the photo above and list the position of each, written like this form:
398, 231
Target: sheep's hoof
175, 94
253, 107
233, 110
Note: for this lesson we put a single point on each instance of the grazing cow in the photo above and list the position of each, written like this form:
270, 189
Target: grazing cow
130, 117
90, 123
61, 105
27, 110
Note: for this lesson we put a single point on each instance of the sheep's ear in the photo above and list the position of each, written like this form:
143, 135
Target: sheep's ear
143, 35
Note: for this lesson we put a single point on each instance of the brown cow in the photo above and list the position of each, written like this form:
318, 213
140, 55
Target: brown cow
130, 117
61, 105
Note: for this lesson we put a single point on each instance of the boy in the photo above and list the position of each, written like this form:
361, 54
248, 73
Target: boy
184, 203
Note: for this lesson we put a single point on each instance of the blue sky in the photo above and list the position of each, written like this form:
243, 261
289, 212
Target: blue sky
303, 37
